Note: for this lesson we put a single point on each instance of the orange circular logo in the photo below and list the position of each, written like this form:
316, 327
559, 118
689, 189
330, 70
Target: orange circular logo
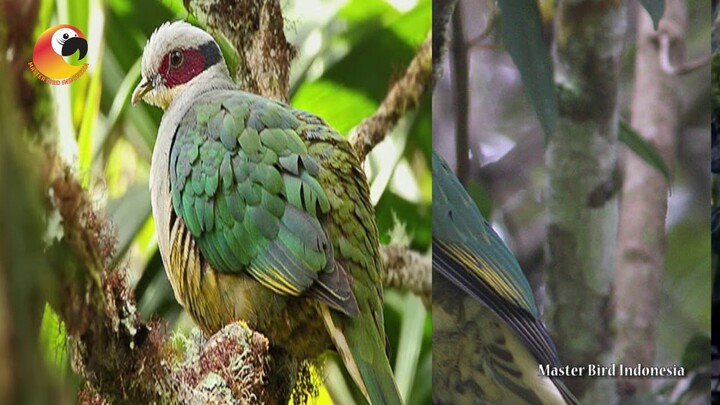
59, 54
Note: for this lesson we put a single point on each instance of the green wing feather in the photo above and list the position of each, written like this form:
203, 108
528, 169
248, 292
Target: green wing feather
468, 252
247, 190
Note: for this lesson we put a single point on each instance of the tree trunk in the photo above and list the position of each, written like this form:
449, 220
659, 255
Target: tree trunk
641, 242
582, 186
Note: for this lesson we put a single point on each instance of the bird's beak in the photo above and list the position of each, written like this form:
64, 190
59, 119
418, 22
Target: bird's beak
144, 87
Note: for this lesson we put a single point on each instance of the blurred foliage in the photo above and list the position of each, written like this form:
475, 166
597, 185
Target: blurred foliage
642, 148
349, 52
522, 35
655, 8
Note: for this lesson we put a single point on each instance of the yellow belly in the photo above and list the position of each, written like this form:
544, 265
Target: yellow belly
479, 360
216, 299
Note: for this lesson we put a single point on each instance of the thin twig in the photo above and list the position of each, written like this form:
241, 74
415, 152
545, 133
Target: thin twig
683, 68
462, 98
403, 96
490, 25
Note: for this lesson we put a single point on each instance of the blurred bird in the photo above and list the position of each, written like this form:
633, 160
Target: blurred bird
262, 213
488, 340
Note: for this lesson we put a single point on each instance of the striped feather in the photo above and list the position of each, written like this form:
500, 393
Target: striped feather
468, 253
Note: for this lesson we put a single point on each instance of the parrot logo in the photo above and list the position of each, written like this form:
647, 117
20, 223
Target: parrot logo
58, 55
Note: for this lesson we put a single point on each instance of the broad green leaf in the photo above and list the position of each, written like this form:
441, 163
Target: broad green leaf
420, 136
352, 88
406, 362
347, 108
522, 34
52, 341
365, 16
655, 8
422, 386
642, 148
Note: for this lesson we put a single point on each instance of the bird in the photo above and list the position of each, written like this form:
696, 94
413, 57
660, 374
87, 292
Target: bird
262, 213
54, 45
488, 338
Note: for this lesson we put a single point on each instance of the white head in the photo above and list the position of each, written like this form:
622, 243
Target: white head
176, 56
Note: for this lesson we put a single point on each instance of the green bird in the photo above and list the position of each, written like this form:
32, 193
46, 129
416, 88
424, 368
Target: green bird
488, 338
262, 213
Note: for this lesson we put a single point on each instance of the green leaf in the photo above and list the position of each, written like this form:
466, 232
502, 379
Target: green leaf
416, 217
359, 81
522, 34
642, 148
655, 8
696, 353
406, 362
52, 341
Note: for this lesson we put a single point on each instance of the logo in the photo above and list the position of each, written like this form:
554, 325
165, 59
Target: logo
58, 55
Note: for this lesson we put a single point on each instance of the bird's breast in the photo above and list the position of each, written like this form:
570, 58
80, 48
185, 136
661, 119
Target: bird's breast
477, 359
214, 299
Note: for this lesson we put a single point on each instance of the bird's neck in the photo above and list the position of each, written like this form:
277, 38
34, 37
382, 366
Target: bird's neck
215, 78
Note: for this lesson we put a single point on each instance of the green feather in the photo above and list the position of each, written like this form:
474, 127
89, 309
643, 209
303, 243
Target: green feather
293, 194
468, 253
226, 172
212, 180
457, 222
230, 132
250, 141
290, 163
273, 203
295, 144
275, 139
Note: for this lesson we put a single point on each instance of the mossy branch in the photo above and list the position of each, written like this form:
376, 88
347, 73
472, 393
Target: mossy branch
121, 357
403, 96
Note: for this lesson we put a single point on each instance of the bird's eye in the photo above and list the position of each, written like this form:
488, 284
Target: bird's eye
176, 58
66, 36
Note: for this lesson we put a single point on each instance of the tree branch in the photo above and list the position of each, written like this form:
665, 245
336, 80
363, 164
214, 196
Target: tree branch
670, 68
255, 29
408, 270
403, 96
641, 241
461, 77
442, 10
121, 357
582, 186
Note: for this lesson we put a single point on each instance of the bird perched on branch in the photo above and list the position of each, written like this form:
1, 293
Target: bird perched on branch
488, 340
262, 213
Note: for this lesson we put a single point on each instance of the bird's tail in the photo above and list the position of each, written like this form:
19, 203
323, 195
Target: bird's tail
565, 392
362, 350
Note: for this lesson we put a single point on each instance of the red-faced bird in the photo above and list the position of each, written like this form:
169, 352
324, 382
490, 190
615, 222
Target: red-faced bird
262, 213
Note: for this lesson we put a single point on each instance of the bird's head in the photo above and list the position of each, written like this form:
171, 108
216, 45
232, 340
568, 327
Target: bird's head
177, 56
